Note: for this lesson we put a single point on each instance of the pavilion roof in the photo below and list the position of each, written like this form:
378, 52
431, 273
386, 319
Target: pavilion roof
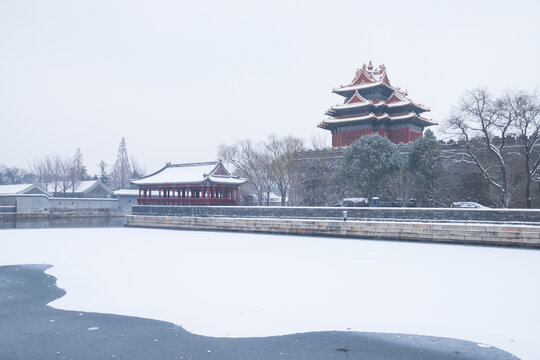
412, 116
191, 173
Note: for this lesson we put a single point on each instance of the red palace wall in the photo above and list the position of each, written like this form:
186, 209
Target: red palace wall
347, 137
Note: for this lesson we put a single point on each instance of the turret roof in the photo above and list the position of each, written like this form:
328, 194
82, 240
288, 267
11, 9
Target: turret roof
330, 122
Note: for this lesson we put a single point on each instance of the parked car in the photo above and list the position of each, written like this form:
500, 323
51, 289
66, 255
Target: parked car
398, 202
468, 205
353, 202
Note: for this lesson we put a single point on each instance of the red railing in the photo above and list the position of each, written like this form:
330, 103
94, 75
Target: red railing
186, 201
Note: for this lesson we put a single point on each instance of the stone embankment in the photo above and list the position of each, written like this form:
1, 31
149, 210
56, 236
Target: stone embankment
354, 213
27, 210
492, 233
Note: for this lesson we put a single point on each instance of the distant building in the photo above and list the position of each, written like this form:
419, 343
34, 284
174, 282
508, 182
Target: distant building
373, 106
126, 199
86, 189
206, 183
19, 189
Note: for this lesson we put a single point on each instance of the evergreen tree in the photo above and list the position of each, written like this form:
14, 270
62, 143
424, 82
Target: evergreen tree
78, 165
425, 166
369, 162
103, 172
122, 171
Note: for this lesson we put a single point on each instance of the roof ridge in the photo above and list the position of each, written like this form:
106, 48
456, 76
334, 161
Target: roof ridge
193, 164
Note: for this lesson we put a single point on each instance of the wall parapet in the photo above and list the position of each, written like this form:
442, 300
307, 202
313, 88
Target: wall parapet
353, 213
527, 236
40, 203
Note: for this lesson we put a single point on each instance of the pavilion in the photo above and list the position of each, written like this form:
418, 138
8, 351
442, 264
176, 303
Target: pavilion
373, 106
204, 183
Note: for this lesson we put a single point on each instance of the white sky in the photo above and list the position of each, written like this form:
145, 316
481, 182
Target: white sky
176, 79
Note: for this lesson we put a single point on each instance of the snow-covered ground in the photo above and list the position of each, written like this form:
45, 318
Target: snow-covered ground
234, 284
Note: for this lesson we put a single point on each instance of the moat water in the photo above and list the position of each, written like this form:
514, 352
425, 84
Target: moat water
74, 222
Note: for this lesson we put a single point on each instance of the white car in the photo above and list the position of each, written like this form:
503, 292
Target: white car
468, 205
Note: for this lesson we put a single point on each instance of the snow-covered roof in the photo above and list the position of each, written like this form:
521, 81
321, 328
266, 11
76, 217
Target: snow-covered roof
192, 173
21, 189
411, 115
126, 192
82, 187
359, 87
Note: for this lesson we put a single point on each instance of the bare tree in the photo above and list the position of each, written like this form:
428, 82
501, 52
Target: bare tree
401, 185
77, 171
524, 108
63, 169
138, 169
42, 169
315, 181
282, 152
14, 175
53, 172
484, 119
250, 161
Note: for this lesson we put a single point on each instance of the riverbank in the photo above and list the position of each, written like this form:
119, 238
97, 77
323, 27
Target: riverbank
59, 220
493, 234
31, 330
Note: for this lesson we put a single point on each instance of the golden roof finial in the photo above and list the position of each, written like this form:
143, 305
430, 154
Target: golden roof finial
370, 66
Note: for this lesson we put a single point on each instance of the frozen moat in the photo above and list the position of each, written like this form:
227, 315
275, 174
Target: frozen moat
249, 285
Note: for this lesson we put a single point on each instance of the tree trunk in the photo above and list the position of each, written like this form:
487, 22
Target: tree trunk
528, 193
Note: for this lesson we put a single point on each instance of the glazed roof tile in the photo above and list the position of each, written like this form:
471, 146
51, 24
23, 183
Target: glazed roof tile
192, 173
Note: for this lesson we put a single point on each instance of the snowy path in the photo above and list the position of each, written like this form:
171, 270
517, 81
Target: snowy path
234, 284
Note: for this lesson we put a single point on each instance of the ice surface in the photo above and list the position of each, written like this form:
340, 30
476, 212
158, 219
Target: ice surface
235, 284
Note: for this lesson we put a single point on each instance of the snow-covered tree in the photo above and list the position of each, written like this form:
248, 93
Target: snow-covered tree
368, 164
480, 119
137, 169
425, 166
251, 162
103, 175
14, 175
525, 108
282, 152
122, 170
77, 171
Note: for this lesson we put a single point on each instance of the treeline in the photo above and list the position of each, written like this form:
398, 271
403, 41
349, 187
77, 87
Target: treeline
373, 167
495, 162
268, 166
487, 125
62, 174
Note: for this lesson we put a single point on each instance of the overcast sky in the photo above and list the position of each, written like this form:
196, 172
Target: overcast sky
178, 78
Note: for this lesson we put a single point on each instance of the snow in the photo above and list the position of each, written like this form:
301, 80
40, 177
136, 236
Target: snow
82, 186
14, 189
372, 115
358, 87
186, 173
126, 192
236, 284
